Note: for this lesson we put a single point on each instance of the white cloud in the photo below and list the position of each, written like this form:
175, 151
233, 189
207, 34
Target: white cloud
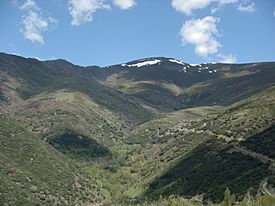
229, 59
187, 6
33, 25
34, 22
221, 3
82, 10
124, 4
201, 33
274, 13
227, 1
244, 7
214, 10
29, 4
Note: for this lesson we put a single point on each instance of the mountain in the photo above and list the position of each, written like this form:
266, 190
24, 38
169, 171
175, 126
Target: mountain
22, 78
133, 132
167, 84
32, 172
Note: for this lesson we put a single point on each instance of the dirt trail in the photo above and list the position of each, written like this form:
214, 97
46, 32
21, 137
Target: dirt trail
261, 157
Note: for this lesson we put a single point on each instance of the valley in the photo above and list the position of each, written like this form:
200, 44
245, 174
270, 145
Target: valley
155, 131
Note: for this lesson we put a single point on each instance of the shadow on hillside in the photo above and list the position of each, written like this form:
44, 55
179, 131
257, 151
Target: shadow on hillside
208, 170
77, 145
263, 142
226, 91
2, 97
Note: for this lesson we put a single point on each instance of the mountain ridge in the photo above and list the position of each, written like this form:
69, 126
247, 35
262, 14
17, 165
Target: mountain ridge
130, 61
130, 132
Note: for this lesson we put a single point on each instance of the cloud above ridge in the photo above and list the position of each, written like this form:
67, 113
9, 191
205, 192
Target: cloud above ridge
82, 10
34, 22
124, 4
202, 34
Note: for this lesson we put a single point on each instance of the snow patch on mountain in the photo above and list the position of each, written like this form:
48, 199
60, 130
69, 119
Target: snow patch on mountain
184, 69
145, 63
176, 61
196, 65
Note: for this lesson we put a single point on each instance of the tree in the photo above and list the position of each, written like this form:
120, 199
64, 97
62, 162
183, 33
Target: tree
228, 198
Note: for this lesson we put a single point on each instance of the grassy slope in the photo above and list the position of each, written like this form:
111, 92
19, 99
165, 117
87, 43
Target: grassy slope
212, 165
235, 82
56, 112
209, 169
32, 172
245, 118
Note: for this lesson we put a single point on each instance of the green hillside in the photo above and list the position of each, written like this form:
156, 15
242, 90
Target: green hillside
226, 157
62, 110
163, 134
33, 173
22, 78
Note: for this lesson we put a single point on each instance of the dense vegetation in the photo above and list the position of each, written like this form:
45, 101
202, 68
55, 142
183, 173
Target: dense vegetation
158, 135
32, 172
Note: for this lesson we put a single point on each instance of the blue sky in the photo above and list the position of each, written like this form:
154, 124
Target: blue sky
105, 32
